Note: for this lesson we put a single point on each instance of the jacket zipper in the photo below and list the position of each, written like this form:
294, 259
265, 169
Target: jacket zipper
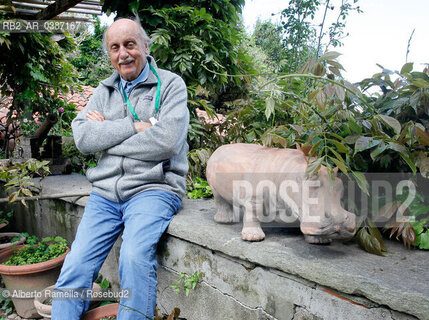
122, 157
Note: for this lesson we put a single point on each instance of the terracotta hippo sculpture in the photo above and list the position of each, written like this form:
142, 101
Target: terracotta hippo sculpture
269, 184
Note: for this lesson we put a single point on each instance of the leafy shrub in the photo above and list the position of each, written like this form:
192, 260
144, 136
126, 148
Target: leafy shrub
198, 188
90, 60
47, 249
34, 73
17, 177
338, 124
80, 162
6, 216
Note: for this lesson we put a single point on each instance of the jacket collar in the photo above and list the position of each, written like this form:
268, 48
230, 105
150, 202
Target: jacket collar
113, 80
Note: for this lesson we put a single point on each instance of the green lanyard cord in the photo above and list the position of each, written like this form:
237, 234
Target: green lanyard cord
158, 89
158, 94
130, 107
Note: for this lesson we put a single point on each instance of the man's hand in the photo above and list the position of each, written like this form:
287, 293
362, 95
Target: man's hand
142, 126
95, 116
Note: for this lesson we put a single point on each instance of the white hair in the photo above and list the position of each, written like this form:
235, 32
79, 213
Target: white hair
144, 37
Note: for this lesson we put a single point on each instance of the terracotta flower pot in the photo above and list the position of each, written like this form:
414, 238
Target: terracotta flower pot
24, 281
107, 310
10, 244
45, 310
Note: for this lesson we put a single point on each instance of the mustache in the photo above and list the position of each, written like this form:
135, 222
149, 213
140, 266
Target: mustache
127, 60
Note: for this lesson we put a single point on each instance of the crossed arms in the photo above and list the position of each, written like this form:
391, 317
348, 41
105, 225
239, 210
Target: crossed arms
137, 140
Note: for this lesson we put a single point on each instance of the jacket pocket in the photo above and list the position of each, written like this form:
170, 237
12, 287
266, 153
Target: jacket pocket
154, 174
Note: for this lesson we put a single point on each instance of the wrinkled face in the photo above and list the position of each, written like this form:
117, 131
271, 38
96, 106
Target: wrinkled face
334, 222
126, 49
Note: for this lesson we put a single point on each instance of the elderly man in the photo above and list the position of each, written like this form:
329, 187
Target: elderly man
138, 119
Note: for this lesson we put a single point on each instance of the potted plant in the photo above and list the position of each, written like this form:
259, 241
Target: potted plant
43, 301
107, 311
28, 269
8, 239
4, 218
110, 311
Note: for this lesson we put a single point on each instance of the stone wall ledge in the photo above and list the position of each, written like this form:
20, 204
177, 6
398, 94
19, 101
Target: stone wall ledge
398, 282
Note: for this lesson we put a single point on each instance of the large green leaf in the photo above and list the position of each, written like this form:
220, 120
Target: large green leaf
410, 162
379, 150
340, 164
407, 68
391, 122
364, 143
373, 231
354, 126
369, 242
314, 167
420, 83
330, 55
321, 99
269, 107
423, 137
340, 147
423, 239
424, 167
361, 181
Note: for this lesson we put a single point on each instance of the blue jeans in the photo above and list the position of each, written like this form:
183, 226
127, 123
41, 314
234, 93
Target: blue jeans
143, 219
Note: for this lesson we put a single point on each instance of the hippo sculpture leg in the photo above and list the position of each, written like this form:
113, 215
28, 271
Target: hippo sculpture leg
264, 181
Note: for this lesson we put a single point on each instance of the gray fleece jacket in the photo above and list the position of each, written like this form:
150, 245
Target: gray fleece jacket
133, 162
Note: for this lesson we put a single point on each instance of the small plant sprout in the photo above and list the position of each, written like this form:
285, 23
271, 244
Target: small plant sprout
188, 282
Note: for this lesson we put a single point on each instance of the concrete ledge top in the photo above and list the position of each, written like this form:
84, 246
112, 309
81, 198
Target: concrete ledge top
400, 280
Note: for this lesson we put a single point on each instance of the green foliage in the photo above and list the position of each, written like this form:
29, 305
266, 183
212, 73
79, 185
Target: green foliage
197, 159
225, 10
6, 216
17, 177
65, 114
31, 240
198, 188
415, 231
337, 124
6, 305
185, 38
370, 239
268, 37
103, 282
299, 34
34, 73
80, 162
47, 249
90, 60
187, 282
